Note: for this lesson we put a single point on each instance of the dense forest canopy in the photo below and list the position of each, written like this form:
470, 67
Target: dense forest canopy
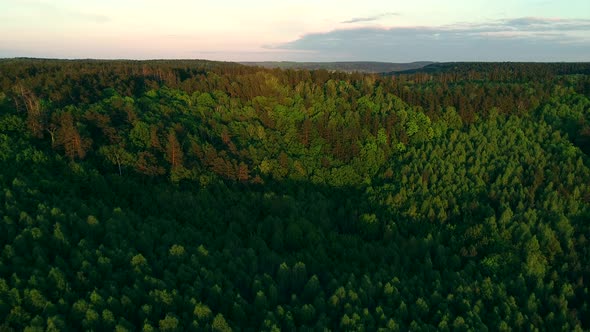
197, 195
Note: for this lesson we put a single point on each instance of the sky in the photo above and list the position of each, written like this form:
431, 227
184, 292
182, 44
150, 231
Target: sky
298, 30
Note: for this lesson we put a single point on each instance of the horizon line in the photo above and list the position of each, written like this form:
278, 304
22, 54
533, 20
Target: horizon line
275, 61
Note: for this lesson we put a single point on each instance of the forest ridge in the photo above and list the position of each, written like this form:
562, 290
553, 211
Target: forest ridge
199, 195
351, 66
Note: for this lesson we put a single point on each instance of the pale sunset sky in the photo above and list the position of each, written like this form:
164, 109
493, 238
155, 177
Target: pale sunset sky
298, 30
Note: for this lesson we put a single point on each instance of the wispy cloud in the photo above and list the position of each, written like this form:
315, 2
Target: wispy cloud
530, 21
369, 18
548, 24
518, 39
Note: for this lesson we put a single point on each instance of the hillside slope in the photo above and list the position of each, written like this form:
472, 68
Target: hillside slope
187, 195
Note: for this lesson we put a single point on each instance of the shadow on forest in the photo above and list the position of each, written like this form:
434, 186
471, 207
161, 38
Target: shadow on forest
319, 224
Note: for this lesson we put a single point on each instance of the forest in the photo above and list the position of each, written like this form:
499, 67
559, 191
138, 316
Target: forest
209, 196
350, 66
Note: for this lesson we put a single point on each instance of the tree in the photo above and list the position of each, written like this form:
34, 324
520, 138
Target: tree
148, 164
174, 153
219, 324
68, 137
306, 130
243, 172
202, 312
116, 154
154, 138
169, 323
32, 105
140, 135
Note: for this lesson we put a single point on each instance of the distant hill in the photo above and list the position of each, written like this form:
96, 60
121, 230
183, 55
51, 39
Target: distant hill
512, 70
350, 66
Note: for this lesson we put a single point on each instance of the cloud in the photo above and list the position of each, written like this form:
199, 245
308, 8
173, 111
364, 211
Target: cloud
518, 39
369, 18
546, 24
529, 21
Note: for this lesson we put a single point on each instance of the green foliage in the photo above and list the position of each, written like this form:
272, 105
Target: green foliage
219, 324
140, 135
203, 196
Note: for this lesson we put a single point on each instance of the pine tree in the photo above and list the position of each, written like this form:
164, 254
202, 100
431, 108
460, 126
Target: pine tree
174, 153
70, 139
